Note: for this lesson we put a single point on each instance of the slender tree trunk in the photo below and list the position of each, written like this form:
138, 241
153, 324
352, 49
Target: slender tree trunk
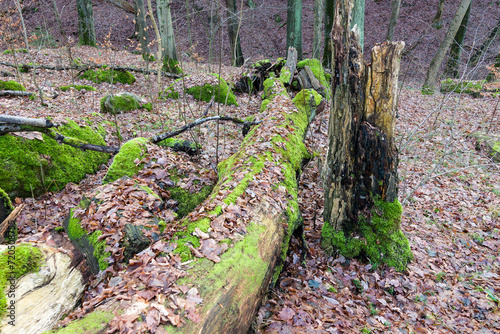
327, 47
430, 78
233, 32
362, 214
294, 26
169, 53
142, 28
86, 30
453, 62
396, 5
317, 30
482, 49
358, 19
436, 22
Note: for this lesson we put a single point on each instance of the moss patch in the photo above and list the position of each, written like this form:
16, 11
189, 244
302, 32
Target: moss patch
77, 87
115, 104
381, 239
124, 163
318, 71
462, 86
31, 167
8, 52
221, 92
15, 263
171, 65
93, 323
110, 76
11, 85
183, 145
169, 93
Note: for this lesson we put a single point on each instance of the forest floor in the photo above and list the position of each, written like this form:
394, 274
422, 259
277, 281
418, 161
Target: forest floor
450, 192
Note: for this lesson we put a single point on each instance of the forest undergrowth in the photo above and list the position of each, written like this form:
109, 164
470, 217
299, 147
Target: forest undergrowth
449, 187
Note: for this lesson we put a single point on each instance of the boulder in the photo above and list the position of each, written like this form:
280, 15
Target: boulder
118, 103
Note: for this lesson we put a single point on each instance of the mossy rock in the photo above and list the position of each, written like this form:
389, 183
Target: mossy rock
77, 87
381, 239
318, 71
462, 86
118, 103
110, 76
32, 167
221, 92
181, 145
15, 263
124, 163
11, 85
490, 142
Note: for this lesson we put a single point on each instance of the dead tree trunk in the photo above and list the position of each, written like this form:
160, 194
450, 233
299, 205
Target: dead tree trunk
361, 212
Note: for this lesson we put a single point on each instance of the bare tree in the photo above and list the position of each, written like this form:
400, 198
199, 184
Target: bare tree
169, 52
453, 62
233, 32
142, 28
86, 28
317, 30
294, 26
396, 5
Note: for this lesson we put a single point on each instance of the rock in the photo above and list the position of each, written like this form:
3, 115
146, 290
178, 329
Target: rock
117, 103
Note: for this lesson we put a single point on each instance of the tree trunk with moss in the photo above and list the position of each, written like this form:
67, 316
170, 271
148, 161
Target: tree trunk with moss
430, 78
141, 28
436, 22
317, 28
86, 30
362, 212
294, 26
233, 30
453, 62
169, 52
484, 47
327, 47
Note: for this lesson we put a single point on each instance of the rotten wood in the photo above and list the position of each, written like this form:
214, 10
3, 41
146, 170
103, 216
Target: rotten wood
291, 62
16, 93
9, 222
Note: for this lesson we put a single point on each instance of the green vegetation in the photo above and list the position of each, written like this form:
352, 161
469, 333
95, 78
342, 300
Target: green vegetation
183, 145
124, 162
11, 85
318, 71
110, 76
8, 52
221, 92
169, 92
171, 66
77, 87
93, 323
14, 263
32, 167
115, 104
461, 86
381, 239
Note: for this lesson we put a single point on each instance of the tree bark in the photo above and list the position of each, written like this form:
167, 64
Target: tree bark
233, 32
169, 52
453, 62
396, 5
482, 49
86, 30
432, 72
142, 28
358, 19
294, 26
362, 214
436, 22
327, 47
317, 28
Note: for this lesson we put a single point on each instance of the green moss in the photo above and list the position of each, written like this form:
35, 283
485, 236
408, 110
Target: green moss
172, 66
427, 90
117, 103
188, 201
381, 239
318, 71
11, 85
461, 86
8, 52
273, 87
32, 167
6, 200
285, 75
221, 92
93, 323
264, 104
261, 63
183, 145
110, 76
14, 263
77, 87
124, 162
169, 93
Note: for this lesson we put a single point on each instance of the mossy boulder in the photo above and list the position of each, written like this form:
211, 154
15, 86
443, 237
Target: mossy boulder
77, 87
318, 71
110, 76
462, 86
118, 103
488, 142
14, 263
218, 89
125, 162
32, 167
181, 145
11, 85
